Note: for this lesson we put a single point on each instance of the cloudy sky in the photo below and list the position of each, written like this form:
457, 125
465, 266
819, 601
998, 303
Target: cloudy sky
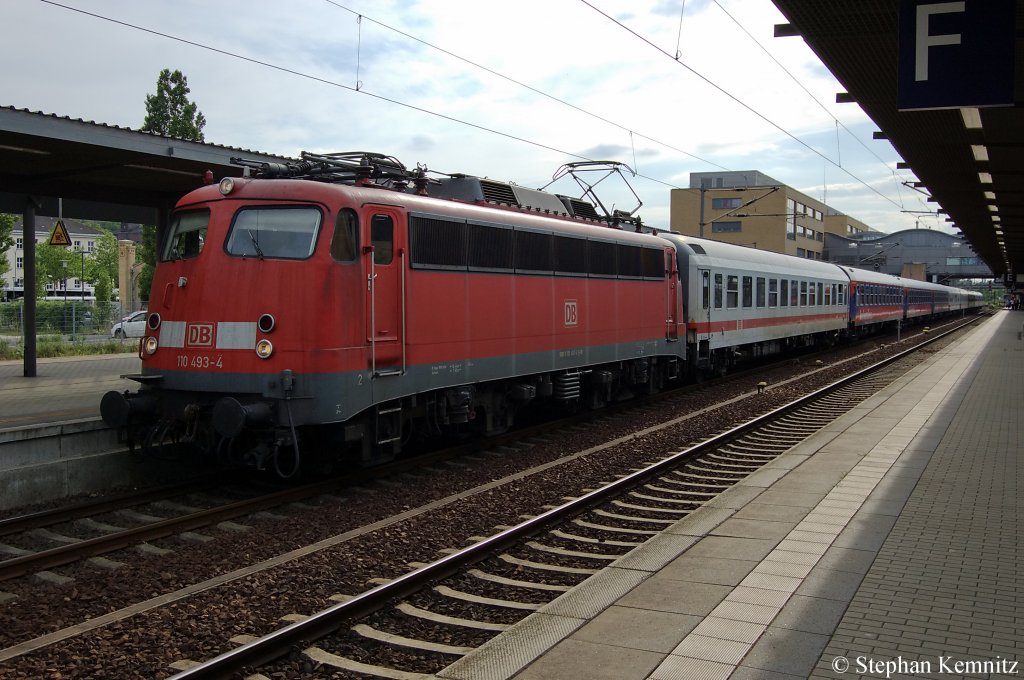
509, 90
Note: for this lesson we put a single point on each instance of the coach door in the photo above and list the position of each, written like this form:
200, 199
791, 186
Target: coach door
672, 303
385, 290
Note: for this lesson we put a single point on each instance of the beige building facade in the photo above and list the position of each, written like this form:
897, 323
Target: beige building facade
751, 209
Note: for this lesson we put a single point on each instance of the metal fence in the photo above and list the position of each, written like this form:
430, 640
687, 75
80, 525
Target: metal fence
72, 319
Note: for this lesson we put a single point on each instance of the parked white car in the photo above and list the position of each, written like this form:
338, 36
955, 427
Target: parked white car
131, 326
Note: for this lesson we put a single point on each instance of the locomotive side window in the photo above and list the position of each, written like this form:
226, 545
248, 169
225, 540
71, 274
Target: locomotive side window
732, 292
186, 235
276, 232
570, 255
345, 242
533, 252
748, 291
490, 248
437, 243
718, 291
630, 262
602, 258
653, 263
382, 235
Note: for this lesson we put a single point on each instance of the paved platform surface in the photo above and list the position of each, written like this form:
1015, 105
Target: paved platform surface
886, 545
63, 389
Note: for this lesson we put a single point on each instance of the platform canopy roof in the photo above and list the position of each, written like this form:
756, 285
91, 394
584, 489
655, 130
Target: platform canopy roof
946, 148
102, 172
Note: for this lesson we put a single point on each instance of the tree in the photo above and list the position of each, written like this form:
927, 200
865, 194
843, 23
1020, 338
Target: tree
53, 265
169, 112
146, 254
104, 260
6, 239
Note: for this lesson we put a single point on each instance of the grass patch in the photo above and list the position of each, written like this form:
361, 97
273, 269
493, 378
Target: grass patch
49, 346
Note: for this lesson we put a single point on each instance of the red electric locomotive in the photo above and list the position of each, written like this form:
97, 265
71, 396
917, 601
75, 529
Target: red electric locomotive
332, 308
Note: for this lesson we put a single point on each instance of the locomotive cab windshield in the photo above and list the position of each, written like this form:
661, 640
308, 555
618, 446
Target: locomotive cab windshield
287, 232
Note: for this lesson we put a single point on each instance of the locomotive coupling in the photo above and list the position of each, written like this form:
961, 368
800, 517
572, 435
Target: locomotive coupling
116, 408
230, 416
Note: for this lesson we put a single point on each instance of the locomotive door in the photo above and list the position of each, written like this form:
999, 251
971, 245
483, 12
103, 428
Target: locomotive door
385, 291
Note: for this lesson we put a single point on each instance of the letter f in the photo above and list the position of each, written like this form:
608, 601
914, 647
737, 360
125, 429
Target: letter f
923, 40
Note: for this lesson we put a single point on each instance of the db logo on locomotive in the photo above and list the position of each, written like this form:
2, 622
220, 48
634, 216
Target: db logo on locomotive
571, 316
199, 335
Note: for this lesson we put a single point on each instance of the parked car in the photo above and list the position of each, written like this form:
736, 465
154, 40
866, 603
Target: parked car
131, 326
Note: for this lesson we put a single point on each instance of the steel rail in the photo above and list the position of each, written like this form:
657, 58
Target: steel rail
49, 517
299, 634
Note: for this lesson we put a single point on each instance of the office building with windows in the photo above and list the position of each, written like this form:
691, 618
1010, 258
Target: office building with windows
752, 209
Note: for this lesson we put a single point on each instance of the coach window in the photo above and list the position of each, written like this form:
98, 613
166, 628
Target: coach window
784, 293
794, 293
773, 292
705, 289
803, 293
828, 294
382, 235
748, 291
811, 300
718, 291
821, 299
345, 241
732, 292
759, 299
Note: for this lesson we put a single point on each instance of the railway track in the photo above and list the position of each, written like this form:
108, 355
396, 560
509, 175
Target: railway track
91, 529
415, 625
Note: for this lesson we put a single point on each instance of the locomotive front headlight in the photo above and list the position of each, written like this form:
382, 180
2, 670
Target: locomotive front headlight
264, 348
226, 186
150, 344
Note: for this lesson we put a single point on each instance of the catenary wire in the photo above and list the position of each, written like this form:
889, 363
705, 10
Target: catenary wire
737, 100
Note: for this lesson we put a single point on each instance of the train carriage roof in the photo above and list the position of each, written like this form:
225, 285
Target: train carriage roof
869, 276
706, 253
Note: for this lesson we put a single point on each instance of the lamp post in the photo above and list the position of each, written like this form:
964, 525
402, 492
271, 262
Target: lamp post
81, 283
64, 263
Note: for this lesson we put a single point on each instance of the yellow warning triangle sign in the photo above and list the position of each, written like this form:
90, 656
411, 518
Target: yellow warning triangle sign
60, 237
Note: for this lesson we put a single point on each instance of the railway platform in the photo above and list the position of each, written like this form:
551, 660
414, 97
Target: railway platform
52, 441
886, 545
